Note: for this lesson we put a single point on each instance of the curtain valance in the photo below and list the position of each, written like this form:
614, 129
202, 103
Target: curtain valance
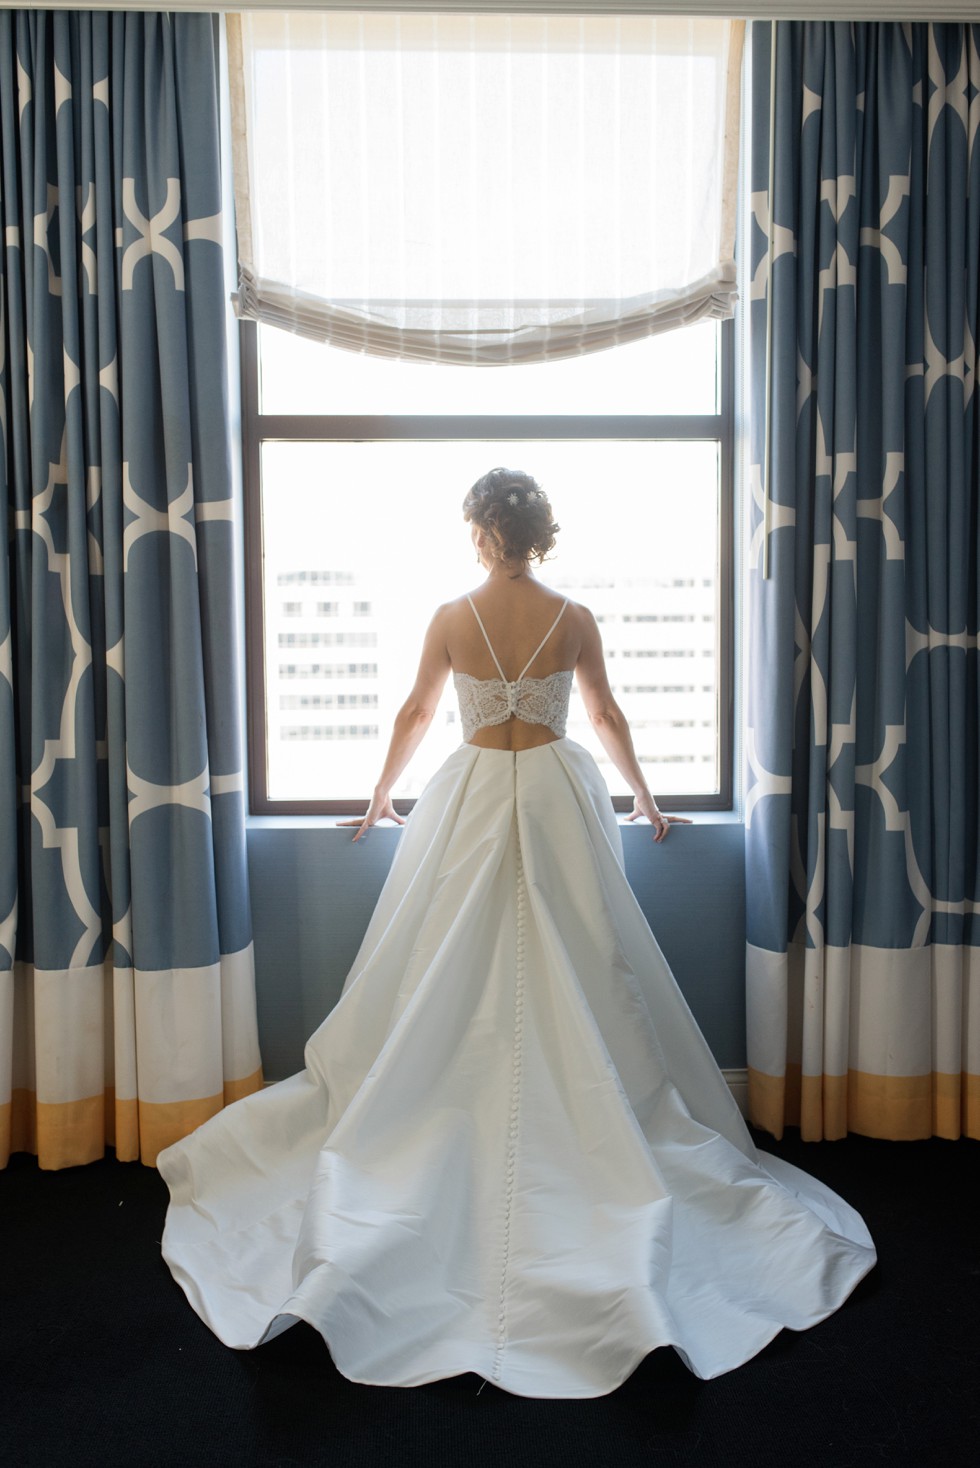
484, 188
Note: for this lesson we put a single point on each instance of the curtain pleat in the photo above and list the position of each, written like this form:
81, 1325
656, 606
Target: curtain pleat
863, 808
127, 1003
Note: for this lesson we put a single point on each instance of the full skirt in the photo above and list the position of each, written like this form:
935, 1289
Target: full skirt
511, 1151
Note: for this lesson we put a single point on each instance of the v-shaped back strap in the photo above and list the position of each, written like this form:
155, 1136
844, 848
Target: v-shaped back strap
543, 640
486, 638
536, 650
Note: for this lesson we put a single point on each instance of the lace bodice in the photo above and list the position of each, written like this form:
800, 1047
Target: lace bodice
485, 701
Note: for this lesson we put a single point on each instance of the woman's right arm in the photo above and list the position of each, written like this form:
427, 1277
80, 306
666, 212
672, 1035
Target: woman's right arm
609, 722
411, 722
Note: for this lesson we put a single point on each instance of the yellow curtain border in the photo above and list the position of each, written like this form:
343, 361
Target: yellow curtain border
894, 1108
72, 1133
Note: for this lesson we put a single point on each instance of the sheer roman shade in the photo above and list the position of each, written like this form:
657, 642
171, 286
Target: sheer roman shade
484, 188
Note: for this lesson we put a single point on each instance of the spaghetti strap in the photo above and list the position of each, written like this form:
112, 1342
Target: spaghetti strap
536, 650
543, 641
486, 638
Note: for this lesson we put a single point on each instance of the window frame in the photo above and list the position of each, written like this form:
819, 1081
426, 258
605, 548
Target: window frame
257, 427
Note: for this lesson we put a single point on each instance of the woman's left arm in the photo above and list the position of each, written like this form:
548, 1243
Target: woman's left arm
411, 722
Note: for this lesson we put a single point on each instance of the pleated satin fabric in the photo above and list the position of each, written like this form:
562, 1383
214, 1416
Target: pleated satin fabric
511, 1151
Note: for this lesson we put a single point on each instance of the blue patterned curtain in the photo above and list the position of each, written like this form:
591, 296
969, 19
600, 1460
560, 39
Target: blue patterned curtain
127, 1005
863, 734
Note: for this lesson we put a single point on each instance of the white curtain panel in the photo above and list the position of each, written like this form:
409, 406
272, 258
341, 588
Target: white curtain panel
484, 188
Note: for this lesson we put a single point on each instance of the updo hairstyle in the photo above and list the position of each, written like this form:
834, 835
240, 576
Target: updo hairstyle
514, 514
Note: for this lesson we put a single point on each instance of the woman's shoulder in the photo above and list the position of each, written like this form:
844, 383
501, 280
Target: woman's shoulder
579, 612
540, 591
447, 610
457, 607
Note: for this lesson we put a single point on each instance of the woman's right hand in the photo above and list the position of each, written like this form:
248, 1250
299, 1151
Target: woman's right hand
380, 809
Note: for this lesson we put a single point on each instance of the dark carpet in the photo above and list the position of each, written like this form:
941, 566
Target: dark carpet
102, 1361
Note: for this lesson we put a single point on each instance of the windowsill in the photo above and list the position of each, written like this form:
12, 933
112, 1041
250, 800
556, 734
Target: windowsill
322, 822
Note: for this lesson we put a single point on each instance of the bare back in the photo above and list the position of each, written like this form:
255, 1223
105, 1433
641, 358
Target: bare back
517, 615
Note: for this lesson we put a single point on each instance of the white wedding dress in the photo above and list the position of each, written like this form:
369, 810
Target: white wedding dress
511, 1151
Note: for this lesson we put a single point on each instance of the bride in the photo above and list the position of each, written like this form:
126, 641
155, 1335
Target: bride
510, 1151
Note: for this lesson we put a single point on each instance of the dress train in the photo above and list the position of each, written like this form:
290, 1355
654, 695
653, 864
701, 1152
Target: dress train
511, 1151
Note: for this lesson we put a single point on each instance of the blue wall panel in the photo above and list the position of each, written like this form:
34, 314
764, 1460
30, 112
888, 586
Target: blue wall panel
313, 891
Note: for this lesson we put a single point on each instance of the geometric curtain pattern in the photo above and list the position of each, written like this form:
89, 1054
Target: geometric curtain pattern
127, 1003
862, 829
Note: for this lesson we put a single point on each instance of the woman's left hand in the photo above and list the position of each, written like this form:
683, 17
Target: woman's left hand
647, 806
380, 809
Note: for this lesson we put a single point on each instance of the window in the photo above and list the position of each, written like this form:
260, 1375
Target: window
356, 468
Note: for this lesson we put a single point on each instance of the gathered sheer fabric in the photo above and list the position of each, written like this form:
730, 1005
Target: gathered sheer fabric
376, 153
